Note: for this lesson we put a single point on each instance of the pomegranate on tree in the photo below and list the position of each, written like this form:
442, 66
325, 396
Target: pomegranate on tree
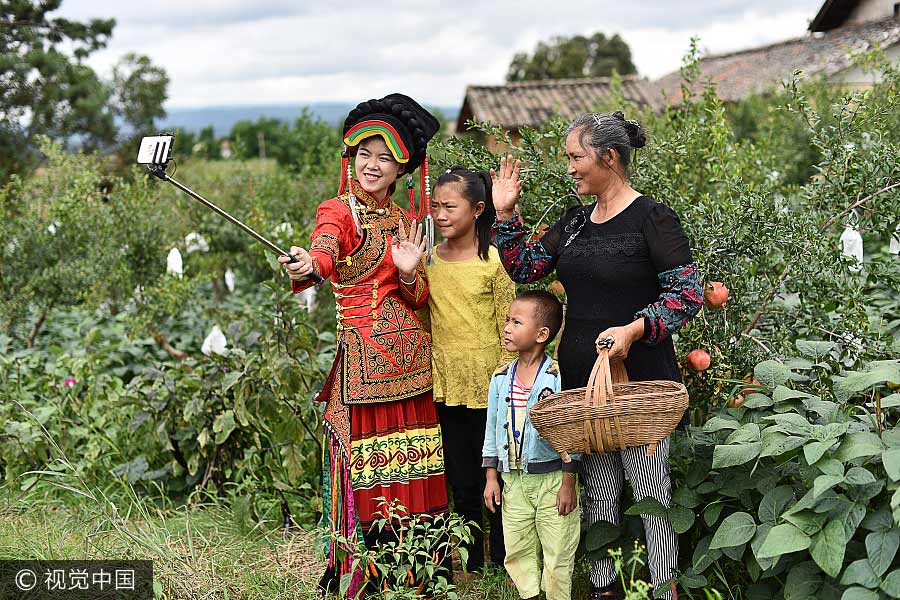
715, 294
698, 360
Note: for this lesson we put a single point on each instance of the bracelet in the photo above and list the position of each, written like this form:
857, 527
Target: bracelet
415, 276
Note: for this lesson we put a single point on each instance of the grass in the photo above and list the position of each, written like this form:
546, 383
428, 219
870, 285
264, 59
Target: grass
197, 554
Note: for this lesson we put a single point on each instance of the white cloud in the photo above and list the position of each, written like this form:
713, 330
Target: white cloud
225, 52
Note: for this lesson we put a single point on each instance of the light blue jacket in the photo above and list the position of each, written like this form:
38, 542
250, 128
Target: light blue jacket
538, 456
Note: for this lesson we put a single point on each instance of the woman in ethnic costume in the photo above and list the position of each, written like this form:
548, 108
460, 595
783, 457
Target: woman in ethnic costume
382, 437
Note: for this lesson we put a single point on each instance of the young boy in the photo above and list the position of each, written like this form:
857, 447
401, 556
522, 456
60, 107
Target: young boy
538, 498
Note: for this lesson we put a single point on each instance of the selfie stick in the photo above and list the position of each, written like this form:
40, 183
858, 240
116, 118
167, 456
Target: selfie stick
159, 170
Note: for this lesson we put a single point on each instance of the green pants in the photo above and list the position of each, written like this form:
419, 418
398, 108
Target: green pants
533, 529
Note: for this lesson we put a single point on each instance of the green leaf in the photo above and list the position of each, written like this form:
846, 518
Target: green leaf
774, 503
813, 451
890, 401
860, 572
762, 532
858, 444
703, 556
802, 581
860, 381
757, 400
735, 553
792, 423
878, 520
647, 506
748, 433
783, 539
828, 548
891, 584
783, 393
858, 593
230, 379
881, 547
731, 456
799, 364
808, 521
736, 529
814, 349
682, 519
601, 534
825, 482
771, 373
891, 460
223, 426
720, 423
859, 476
711, 513
776, 444
895, 507
686, 497
692, 580
830, 466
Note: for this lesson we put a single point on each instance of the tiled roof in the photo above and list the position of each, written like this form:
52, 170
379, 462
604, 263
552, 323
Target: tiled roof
533, 102
740, 74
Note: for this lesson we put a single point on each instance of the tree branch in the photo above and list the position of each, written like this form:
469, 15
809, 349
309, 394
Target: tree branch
787, 269
163, 343
38, 325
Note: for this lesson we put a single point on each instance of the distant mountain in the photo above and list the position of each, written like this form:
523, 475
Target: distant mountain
222, 118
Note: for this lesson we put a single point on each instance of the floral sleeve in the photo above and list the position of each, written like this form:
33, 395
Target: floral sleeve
525, 260
681, 294
681, 299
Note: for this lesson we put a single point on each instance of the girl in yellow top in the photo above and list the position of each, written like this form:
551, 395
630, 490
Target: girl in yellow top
470, 295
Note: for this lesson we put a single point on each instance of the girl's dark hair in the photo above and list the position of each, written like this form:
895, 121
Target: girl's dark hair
475, 186
604, 131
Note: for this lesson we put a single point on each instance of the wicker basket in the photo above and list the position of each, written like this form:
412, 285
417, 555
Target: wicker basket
611, 413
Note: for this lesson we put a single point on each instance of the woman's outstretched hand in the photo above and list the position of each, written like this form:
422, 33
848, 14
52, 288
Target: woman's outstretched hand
407, 251
300, 269
506, 187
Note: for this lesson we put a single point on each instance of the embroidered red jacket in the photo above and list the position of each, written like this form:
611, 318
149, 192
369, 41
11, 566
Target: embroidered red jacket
384, 354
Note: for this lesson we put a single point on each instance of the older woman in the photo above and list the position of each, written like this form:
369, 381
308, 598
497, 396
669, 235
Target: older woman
627, 268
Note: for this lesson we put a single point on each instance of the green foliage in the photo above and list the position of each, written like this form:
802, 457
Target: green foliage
49, 91
812, 492
578, 56
311, 146
139, 91
413, 563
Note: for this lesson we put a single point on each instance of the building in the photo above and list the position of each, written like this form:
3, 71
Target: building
841, 29
531, 103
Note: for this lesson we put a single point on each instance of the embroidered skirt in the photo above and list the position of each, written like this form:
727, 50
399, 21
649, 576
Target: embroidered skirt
395, 453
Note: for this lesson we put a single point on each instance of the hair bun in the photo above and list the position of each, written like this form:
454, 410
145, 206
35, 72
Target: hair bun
636, 136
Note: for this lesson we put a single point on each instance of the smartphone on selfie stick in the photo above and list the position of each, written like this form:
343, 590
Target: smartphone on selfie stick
156, 152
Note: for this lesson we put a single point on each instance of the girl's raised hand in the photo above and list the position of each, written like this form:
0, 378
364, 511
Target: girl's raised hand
506, 186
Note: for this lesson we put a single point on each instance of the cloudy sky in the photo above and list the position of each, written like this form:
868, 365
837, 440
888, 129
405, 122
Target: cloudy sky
232, 52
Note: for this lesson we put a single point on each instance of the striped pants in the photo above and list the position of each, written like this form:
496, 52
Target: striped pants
602, 476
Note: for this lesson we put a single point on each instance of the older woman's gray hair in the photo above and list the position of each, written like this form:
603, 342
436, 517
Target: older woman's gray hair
605, 131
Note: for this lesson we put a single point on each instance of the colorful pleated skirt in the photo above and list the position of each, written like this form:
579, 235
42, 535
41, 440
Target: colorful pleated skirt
396, 453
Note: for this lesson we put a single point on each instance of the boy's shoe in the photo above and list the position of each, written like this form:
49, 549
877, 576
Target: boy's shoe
607, 592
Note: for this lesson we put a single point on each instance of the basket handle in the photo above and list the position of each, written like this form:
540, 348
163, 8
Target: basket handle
600, 392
